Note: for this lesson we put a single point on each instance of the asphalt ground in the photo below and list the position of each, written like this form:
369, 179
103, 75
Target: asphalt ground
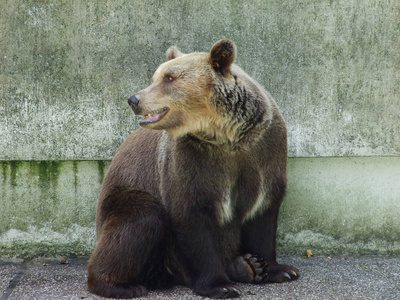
372, 277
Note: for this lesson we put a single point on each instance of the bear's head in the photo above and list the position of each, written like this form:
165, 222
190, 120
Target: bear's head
189, 94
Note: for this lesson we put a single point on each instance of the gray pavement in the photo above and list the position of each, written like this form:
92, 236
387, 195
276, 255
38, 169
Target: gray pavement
322, 278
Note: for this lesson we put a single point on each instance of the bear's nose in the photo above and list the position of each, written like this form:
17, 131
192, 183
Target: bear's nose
133, 101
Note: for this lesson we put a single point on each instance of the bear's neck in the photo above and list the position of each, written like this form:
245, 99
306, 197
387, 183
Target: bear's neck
244, 115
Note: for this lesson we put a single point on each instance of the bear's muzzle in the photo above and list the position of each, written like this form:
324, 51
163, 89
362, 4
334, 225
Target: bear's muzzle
134, 103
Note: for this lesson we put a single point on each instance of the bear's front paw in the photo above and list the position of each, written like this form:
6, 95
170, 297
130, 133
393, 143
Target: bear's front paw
220, 292
247, 268
276, 273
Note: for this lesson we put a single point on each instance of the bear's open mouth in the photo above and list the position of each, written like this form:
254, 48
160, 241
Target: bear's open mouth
154, 116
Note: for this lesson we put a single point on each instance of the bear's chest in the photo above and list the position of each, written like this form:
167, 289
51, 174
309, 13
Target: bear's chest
244, 197
233, 184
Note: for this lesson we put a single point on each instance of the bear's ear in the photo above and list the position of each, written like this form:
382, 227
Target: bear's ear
222, 56
173, 52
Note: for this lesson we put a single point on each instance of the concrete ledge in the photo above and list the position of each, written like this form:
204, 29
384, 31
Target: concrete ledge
334, 206
48, 208
342, 206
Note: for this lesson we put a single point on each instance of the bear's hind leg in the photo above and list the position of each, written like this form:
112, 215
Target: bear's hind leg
129, 256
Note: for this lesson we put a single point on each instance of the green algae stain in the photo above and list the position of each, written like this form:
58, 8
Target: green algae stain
14, 165
4, 171
75, 172
37, 193
48, 172
101, 167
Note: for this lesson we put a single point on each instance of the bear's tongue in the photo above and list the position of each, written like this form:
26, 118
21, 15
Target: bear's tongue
151, 118
154, 116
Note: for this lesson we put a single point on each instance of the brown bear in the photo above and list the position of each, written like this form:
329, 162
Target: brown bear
193, 196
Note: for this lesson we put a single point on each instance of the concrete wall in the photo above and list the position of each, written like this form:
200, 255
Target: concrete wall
67, 68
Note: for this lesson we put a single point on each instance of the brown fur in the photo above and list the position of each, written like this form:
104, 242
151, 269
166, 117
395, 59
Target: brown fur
183, 203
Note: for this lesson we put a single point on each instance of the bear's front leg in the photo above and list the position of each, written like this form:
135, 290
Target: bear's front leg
259, 239
195, 236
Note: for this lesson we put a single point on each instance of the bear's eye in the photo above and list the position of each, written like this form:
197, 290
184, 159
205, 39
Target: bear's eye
169, 78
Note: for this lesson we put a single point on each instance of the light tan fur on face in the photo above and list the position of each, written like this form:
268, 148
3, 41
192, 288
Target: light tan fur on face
187, 96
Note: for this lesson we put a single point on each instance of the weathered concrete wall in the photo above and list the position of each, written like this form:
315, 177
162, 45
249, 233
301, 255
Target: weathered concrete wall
68, 67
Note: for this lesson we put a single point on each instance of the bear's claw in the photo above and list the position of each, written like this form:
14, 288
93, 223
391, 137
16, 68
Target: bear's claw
220, 292
247, 268
253, 269
276, 273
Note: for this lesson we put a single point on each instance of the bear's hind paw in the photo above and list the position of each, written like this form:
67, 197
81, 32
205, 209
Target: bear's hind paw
119, 291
